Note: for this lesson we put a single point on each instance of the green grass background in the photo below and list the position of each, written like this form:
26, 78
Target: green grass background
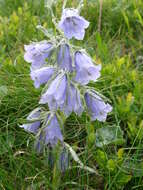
119, 47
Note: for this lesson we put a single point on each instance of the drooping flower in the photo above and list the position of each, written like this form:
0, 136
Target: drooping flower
53, 132
56, 93
36, 53
63, 95
50, 134
34, 121
63, 163
42, 75
72, 24
97, 108
73, 101
85, 69
64, 59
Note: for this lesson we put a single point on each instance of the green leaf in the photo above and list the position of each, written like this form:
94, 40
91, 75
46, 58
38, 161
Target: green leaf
101, 158
109, 135
123, 178
111, 165
3, 91
134, 167
120, 153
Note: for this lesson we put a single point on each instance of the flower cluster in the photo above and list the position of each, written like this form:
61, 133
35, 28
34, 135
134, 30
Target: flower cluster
66, 70
47, 130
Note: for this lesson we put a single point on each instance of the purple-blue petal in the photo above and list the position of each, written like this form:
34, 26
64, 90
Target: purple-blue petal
97, 108
42, 75
56, 92
78, 107
37, 52
50, 134
72, 24
34, 115
31, 127
64, 59
63, 160
86, 71
53, 132
73, 101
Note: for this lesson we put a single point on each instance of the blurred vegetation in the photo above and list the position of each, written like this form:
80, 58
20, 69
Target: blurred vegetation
114, 147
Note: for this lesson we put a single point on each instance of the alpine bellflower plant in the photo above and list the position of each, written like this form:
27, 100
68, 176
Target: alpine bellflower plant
66, 71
